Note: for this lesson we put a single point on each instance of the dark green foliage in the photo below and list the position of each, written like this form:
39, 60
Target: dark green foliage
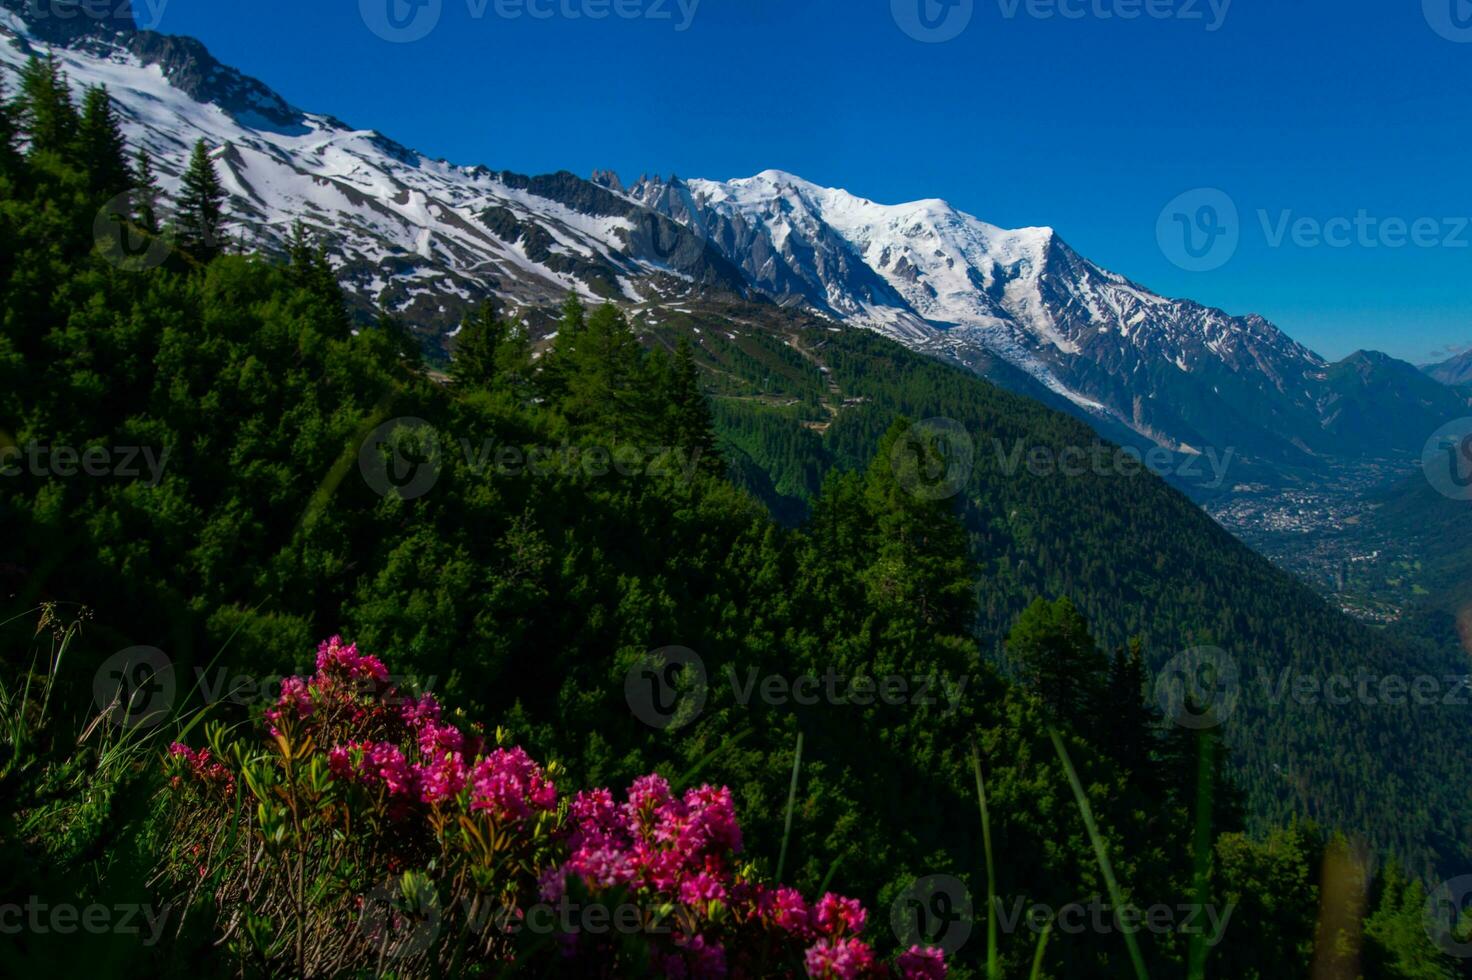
48, 117
200, 216
146, 195
529, 593
491, 354
1057, 659
100, 146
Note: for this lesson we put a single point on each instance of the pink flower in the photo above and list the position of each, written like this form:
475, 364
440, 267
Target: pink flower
334, 659
509, 785
436, 739
790, 912
840, 958
836, 915
700, 889
442, 779
919, 963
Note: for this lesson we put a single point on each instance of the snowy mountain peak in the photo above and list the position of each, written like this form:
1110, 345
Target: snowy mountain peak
427, 239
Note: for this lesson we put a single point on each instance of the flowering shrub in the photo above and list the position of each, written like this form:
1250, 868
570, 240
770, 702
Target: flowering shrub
367, 832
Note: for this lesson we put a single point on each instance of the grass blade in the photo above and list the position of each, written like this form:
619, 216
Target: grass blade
993, 966
1037, 955
791, 805
1105, 867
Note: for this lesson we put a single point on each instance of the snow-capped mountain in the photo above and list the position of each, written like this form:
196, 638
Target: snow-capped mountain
1182, 374
426, 239
421, 237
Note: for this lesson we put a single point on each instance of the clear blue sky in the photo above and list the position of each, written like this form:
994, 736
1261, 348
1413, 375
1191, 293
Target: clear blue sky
1305, 108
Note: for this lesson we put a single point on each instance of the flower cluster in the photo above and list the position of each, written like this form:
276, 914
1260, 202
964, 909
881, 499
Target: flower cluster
202, 766
487, 817
670, 849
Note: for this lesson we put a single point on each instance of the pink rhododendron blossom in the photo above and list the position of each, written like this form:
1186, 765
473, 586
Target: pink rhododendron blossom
920, 963
836, 915
839, 958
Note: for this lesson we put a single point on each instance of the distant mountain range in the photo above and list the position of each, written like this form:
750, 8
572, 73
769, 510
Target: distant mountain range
1453, 371
428, 239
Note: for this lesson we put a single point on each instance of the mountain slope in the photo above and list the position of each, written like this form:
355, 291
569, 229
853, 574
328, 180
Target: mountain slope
422, 238
427, 239
1180, 374
1453, 371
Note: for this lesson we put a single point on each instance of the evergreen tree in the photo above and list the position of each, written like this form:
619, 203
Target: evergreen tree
9, 154
554, 367
688, 424
311, 271
919, 566
101, 149
1057, 659
1128, 722
48, 117
201, 211
603, 374
477, 348
146, 194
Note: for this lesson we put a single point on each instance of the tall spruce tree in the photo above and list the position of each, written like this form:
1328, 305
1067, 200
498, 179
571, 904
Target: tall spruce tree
48, 117
1058, 660
688, 421
475, 362
201, 211
603, 374
146, 194
101, 149
9, 131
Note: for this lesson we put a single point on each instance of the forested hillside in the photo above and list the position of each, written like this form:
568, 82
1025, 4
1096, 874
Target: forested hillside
212, 460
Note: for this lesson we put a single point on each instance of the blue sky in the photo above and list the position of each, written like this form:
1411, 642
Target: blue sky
1314, 118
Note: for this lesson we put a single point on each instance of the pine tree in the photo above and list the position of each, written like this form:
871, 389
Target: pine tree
553, 368
1128, 721
1058, 660
146, 194
920, 565
48, 117
603, 373
689, 425
311, 270
477, 347
201, 211
9, 154
101, 148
